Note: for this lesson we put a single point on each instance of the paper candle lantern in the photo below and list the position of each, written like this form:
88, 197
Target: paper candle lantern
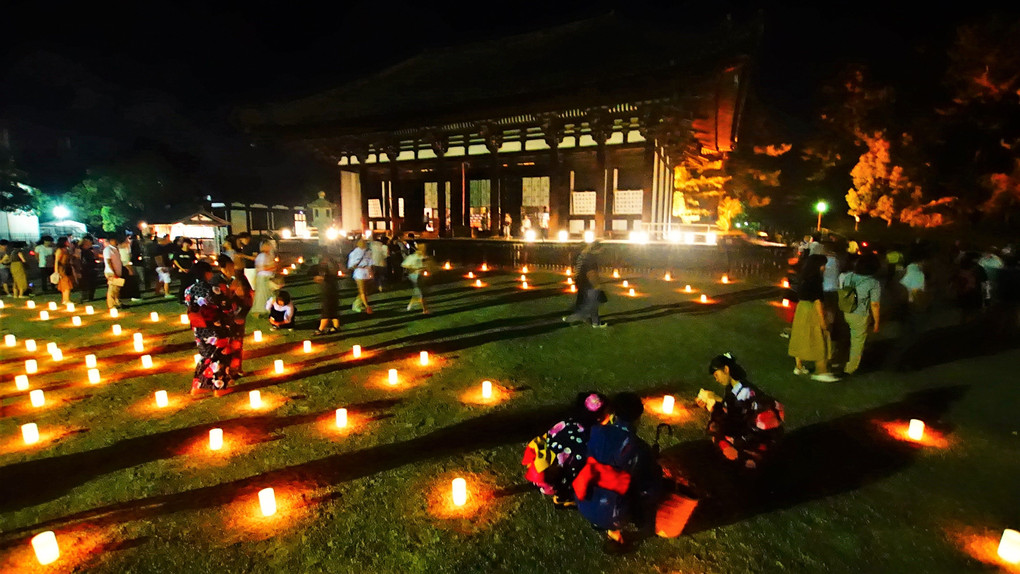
76, 321
161, 399
524, 269
341, 418
154, 317
667, 404
278, 366
31, 366
423, 358
307, 346
45, 546
616, 273
486, 389
58, 355
198, 358
215, 439
524, 285
570, 281
37, 398
30, 345
267, 501
786, 283
447, 266
471, 274
30, 433
184, 319
725, 279
524, 277
916, 429
626, 283
44, 316
10, 340
1, 304
485, 267
301, 260
116, 330
93, 376
393, 376
51, 347
30, 304
114, 312
257, 336
52, 306
21, 382
573, 288
631, 292
459, 492
569, 271
146, 361
704, 298
139, 343
1009, 546
478, 283
255, 399
70, 307
687, 289
356, 351
286, 271
90, 361
90, 310
667, 277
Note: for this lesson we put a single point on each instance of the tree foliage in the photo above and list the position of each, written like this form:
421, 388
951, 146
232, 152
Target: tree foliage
14, 197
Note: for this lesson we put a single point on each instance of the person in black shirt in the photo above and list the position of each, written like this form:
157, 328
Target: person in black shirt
809, 337
88, 265
589, 296
183, 261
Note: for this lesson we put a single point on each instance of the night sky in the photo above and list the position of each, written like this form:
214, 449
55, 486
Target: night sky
165, 78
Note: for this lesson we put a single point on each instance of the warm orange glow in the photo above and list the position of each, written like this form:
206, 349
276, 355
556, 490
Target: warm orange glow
257, 336
486, 394
725, 279
570, 281
667, 404
44, 316
478, 283
58, 355
341, 418
569, 271
667, 408
286, 271
688, 289
631, 292
524, 277
90, 361
485, 267
916, 429
486, 390
786, 303
573, 288
116, 330
30, 433
154, 317
30, 345
616, 273
667, 277
471, 275
356, 351
37, 398
459, 492
900, 430
278, 366
267, 501
53, 306
255, 399
31, 366
114, 312
524, 285
626, 283
524, 269
423, 358
93, 376
76, 321
447, 266
70, 307
21, 382
984, 545
146, 361
392, 376
30, 304
45, 546
162, 400
1009, 546
785, 284
184, 319
90, 310
139, 344
704, 298
307, 346
215, 439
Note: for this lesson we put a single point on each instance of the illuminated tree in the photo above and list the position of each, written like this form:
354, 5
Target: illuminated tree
1005, 188
729, 208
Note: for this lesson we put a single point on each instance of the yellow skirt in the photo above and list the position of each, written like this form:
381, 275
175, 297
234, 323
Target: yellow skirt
808, 342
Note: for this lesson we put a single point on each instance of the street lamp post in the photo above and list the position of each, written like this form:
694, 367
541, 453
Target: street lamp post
821, 207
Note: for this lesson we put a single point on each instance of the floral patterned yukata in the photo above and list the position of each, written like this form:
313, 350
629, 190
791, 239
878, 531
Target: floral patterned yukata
211, 316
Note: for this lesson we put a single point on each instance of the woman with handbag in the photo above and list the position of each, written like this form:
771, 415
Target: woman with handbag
63, 271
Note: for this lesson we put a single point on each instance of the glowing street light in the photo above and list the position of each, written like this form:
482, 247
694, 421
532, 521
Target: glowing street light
61, 212
821, 207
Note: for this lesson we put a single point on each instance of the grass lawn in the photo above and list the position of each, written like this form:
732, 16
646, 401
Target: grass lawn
128, 487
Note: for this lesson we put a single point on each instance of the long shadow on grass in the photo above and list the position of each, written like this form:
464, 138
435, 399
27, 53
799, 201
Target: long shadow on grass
812, 462
487, 431
42, 480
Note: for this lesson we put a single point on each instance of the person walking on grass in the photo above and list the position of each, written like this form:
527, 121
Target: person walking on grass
235, 287
183, 262
809, 336
416, 266
44, 255
209, 312
87, 264
113, 269
64, 270
360, 263
868, 293
380, 247
589, 295
265, 270
326, 275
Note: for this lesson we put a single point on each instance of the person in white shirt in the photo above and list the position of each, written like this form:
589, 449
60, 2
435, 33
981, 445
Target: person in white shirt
44, 253
416, 271
281, 311
543, 222
265, 270
114, 271
360, 263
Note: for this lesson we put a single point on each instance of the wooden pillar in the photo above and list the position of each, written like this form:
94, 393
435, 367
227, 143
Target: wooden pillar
493, 137
363, 182
650, 210
440, 145
559, 195
601, 128
392, 201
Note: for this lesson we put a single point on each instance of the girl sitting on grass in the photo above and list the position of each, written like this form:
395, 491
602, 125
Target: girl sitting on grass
281, 311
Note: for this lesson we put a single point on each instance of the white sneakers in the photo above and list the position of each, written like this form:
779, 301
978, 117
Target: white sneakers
825, 378
800, 371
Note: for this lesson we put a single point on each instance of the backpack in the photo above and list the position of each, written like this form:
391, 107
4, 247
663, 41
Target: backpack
847, 298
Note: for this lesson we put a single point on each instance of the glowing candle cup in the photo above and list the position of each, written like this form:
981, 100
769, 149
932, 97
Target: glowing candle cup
30, 433
667, 277
687, 289
53, 306
45, 546
146, 361
31, 304
51, 347
704, 298
267, 501
154, 317
486, 390
162, 400
307, 345
341, 418
198, 358
58, 355
916, 429
255, 399
44, 316
37, 398
1009, 546
725, 279
478, 283
626, 283
116, 330
616, 273
215, 439
667, 404
786, 303
90, 361
392, 377
21, 382
257, 336
93, 376
90, 310
30, 345
10, 340
70, 307
631, 292
423, 358
76, 321
459, 492
524, 285
278, 366
184, 319
114, 312
31, 366
356, 351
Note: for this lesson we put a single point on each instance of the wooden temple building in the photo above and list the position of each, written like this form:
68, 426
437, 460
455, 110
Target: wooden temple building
585, 121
